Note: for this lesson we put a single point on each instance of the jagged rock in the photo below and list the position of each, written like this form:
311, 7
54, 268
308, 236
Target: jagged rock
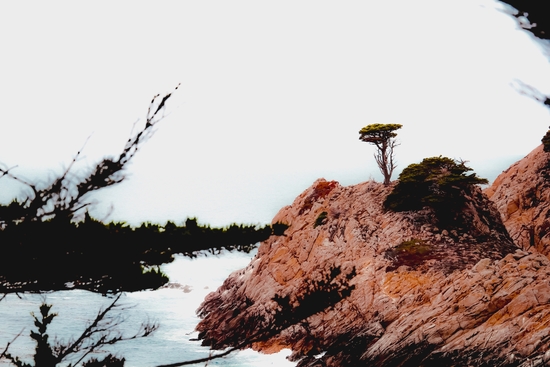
422, 295
522, 196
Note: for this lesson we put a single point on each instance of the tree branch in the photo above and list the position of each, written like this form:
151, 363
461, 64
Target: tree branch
66, 195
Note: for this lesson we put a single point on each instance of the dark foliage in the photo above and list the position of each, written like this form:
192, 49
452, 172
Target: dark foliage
436, 182
100, 332
532, 16
411, 253
108, 361
321, 219
107, 257
315, 296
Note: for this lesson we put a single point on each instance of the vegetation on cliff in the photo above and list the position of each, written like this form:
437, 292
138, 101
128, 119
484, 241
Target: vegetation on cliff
440, 183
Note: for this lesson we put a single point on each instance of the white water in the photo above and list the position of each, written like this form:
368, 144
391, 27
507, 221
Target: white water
173, 309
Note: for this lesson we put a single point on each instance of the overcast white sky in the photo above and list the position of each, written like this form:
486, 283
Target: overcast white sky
272, 96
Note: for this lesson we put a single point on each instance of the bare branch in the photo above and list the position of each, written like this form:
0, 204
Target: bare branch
5, 352
67, 194
531, 92
101, 331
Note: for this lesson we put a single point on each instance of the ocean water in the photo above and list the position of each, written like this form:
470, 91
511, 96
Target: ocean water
173, 309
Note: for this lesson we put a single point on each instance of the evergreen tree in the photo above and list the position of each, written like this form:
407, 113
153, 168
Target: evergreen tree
383, 137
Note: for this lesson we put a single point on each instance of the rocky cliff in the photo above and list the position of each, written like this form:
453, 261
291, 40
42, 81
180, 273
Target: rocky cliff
522, 196
351, 284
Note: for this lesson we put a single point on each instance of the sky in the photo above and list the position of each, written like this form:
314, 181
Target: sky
272, 96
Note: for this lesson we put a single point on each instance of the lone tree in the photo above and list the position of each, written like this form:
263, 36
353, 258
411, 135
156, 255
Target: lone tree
382, 136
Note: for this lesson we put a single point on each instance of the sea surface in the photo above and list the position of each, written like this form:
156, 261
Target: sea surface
173, 309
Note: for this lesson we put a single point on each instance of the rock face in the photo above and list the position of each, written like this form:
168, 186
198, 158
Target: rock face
419, 295
522, 196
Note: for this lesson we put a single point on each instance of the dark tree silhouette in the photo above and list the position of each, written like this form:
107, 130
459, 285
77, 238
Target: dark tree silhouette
102, 331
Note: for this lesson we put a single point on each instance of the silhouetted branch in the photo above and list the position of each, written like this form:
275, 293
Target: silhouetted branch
5, 351
531, 92
315, 296
102, 331
66, 194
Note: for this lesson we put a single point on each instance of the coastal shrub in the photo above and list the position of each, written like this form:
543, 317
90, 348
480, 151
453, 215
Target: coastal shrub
411, 253
414, 247
279, 228
436, 182
321, 219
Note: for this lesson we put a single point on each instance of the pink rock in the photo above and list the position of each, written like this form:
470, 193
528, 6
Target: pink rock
419, 297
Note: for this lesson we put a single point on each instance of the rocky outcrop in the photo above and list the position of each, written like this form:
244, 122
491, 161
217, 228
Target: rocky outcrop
393, 289
522, 196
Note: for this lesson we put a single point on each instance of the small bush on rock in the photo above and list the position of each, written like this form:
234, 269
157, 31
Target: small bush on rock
436, 182
321, 219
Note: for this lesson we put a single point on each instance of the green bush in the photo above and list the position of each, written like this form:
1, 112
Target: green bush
411, 253
436, 182
321, 219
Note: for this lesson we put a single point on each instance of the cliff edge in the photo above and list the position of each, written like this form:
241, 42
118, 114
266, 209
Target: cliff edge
352, 284
522, 196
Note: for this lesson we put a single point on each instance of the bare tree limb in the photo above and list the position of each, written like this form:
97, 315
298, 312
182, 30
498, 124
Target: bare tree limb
5, 352
67, 194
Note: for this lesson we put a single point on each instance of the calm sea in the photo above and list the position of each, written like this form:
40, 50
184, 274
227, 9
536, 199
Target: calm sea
172, 309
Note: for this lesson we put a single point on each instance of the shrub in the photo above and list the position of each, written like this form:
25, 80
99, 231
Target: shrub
321, 219
436, 182
411, 253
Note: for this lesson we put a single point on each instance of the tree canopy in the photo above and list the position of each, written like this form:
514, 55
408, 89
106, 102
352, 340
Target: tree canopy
377, 134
